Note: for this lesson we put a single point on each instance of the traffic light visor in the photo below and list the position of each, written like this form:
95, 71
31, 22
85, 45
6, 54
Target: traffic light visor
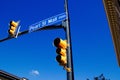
12, 28
60, 43
61, 51
13, 23
11, 32
61, 59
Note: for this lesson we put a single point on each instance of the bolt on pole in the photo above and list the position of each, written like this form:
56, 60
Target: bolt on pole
70, 75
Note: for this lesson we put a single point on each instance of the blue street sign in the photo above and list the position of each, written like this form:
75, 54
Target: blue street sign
47, 22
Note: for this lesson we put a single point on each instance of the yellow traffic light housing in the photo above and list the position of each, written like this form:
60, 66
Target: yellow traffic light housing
62, 53
13, 27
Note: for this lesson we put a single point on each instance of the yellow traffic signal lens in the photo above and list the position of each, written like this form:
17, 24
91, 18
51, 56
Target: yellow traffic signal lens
61, 51
13, 23
60, 43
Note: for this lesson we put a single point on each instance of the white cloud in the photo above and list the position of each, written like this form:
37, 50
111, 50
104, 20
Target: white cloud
35, 72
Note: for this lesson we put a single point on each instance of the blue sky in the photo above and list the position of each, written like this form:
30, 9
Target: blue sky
33, 55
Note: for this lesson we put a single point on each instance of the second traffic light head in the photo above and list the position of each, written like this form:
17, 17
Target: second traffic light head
13, 27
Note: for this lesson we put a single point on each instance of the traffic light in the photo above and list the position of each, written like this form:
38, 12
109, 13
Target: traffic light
13, 27
61, 50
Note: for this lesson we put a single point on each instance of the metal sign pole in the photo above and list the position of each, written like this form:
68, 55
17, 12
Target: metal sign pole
70, 75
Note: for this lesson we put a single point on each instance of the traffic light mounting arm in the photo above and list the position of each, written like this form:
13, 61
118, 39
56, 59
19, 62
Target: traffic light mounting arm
51, 27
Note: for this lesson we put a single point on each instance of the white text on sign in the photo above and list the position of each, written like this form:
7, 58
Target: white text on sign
46, 22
